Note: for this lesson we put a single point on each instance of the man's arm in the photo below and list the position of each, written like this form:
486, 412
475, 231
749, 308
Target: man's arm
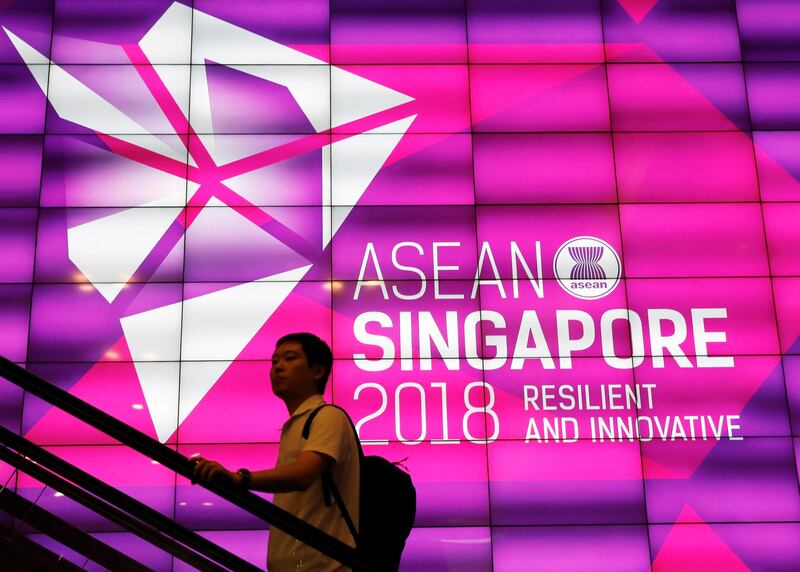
297, 476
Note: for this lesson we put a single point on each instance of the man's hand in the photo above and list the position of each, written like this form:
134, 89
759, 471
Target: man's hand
297, 476
206, 471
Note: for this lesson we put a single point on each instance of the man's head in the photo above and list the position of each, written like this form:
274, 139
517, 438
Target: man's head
301, 365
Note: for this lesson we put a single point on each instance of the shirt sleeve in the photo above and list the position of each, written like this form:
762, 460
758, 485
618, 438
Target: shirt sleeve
330, 434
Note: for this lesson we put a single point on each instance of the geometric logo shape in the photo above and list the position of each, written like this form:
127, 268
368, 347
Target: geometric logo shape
587, 267
216, 327
354, 139
638, 9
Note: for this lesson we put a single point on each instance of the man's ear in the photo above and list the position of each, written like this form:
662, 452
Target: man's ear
318, 370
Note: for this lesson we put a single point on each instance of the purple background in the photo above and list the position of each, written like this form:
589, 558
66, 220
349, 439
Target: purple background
670, 129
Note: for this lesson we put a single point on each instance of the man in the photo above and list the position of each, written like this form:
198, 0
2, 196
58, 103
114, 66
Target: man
300, 368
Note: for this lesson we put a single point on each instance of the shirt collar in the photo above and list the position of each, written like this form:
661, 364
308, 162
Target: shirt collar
311, 403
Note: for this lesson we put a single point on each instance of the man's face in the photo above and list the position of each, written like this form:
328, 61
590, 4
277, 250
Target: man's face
290, 374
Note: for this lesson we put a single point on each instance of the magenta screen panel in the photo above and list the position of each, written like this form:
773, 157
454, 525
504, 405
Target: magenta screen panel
552, 244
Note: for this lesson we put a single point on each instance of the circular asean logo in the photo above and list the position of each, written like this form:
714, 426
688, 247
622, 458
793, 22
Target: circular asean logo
587, 267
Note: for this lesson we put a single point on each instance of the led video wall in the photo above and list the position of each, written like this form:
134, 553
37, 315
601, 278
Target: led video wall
552, 244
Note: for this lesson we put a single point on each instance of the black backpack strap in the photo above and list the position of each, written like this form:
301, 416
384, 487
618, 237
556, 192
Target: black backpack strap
313, 414
310, 420
328, 485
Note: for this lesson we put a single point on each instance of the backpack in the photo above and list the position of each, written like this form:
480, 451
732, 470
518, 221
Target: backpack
387, 505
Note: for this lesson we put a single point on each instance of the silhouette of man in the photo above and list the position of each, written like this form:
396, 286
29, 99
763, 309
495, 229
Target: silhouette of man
301, 365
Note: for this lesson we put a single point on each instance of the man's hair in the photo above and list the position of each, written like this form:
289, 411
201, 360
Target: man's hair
317, 353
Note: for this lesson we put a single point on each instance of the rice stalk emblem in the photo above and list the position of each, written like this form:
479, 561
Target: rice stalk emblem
586, 267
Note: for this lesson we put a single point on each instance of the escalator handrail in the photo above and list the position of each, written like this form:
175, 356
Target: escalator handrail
121, 500
68, 535
146, 445
113, 514
24, 553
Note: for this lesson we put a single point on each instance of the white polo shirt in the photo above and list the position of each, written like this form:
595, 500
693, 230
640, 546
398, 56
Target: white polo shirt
332, 435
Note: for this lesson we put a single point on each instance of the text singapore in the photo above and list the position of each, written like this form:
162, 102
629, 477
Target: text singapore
412, 336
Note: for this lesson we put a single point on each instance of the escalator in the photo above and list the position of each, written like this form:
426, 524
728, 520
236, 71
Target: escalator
20, 553
151, 526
